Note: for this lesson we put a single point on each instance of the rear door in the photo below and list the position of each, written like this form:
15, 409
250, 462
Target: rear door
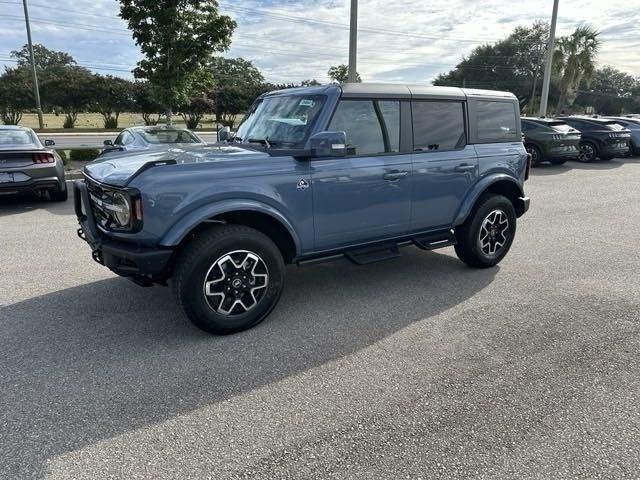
444, 165
366, 195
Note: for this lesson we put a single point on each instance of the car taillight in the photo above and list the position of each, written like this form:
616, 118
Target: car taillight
45, 157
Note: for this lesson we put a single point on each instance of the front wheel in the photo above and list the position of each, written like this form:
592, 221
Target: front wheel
486, 237
228, 278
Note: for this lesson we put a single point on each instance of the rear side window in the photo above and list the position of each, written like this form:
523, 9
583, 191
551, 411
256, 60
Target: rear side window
372, 126
438, 126
496, 121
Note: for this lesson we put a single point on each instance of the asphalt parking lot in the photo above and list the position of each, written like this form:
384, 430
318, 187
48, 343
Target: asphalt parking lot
412, 368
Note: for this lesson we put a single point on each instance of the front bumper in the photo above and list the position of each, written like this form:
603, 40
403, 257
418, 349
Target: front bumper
125, 259
522, 205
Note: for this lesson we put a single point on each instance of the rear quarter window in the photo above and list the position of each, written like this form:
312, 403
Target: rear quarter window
496, 121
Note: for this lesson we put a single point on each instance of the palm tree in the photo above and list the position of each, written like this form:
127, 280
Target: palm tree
574, 61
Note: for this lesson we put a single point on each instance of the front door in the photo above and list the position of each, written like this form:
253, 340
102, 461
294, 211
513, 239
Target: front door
366, 195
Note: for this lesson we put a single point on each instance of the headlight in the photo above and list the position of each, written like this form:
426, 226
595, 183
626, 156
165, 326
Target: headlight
121, 209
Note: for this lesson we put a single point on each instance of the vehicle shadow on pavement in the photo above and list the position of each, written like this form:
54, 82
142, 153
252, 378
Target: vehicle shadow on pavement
18, 203
110, 357
548, 169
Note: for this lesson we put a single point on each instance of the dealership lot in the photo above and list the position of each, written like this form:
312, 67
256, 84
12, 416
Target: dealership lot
413, 368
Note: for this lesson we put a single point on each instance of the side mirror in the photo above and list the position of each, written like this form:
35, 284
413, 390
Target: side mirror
328, 144
49, 143
224, 134
108, 143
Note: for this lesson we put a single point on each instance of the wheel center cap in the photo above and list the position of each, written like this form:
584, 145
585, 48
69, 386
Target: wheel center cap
236, 283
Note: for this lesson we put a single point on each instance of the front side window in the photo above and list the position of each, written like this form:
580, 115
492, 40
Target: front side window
372, 126
496, 121
438, 126
284, 121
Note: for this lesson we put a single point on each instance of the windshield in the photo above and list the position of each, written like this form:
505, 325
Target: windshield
169, 136
16, 137
284, 121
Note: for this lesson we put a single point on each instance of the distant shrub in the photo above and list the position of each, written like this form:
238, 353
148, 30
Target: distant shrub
63, 154
111, 122
83, 155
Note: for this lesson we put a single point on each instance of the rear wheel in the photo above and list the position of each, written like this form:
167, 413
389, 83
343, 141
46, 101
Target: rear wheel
588, 152
536, 154
229, 278
486, 237
59, 195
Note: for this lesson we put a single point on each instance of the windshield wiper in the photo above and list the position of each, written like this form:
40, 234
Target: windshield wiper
263, 141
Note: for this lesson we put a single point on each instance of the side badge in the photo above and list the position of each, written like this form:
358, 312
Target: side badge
303, 184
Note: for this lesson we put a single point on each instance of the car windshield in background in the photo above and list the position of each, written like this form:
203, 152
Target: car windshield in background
162, 136
16, 138
560, 127
284, 121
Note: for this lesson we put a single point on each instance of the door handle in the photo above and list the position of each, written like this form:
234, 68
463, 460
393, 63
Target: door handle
391, 176
464, 167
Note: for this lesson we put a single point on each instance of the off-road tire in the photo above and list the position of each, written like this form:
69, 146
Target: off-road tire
194, 264
469, 248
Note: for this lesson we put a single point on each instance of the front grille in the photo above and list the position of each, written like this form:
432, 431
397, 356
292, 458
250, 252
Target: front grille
98, 195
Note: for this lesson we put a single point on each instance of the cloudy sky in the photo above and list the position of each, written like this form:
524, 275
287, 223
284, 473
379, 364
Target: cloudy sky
399, 41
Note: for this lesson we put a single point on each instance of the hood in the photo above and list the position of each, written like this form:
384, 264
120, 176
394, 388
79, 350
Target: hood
118, 169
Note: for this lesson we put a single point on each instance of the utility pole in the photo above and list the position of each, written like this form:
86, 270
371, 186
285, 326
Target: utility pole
547, 68
36, 90
353, 42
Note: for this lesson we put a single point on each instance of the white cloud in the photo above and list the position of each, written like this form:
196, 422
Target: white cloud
408, 41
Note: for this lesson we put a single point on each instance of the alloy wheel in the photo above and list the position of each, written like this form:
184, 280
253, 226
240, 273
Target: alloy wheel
236, 282
494, 233
587, 153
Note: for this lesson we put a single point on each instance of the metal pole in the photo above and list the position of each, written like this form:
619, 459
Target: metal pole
353, 42
36, 90
547, 68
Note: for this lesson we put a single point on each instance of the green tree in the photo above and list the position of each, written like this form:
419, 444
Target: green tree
177, 38
16, 94
340, 73
67, 88
112, 96
513, 64
236, 83
611, 92
145, 103
44, 58
574, 62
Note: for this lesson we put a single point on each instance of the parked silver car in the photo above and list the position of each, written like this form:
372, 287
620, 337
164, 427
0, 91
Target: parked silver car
27, 165
146, 138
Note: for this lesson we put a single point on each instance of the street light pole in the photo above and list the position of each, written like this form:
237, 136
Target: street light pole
547, 68
353, 42
36, 90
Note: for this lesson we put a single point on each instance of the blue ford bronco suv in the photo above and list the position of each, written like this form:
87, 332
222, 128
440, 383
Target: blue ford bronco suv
316, 173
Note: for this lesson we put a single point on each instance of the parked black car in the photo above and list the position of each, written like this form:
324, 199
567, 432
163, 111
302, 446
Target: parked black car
633, 124
550, 139
601, 138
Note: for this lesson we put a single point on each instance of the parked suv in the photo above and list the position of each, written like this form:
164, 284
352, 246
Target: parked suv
601, 138
312, 174
550, 139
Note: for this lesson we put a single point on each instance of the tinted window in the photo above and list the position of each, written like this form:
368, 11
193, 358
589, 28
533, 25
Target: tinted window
371, 126
527, 126
496, 121
438, 125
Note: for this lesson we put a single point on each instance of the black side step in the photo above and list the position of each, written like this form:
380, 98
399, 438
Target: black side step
435, 240
364, 256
